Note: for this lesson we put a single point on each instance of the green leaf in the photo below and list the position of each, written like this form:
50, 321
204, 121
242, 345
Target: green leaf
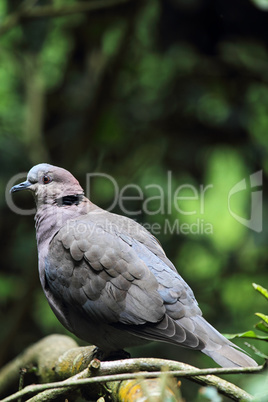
248, 334
263, 317
262, 326
261, 290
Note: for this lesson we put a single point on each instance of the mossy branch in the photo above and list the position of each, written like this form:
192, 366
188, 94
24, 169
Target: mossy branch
62, 367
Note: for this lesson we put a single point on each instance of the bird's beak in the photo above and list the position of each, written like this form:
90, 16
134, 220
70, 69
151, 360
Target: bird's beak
22, 186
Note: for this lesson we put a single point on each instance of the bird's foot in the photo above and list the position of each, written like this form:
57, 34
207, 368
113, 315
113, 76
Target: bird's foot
108, 356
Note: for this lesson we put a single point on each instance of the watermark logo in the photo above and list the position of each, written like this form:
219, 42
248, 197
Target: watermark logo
163, 200
184, 208
255, 220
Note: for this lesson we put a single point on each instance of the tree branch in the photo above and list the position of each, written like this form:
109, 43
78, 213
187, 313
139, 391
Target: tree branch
196, 375
28, 12
57, 358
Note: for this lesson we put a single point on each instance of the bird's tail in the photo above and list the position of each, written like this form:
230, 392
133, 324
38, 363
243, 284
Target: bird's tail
222, 351
228, 356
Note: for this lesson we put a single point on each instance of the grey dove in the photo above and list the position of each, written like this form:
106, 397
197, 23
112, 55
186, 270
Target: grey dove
107, 278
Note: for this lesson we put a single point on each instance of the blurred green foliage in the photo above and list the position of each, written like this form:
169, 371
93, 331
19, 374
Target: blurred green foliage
137, 90
261, 325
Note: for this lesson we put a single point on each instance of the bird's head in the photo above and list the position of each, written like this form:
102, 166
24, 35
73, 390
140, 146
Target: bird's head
51, 185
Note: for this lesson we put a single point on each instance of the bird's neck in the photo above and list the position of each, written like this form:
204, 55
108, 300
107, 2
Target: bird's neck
50, 217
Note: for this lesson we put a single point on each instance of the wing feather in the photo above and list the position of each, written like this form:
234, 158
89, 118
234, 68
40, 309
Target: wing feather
120, 276
117, 284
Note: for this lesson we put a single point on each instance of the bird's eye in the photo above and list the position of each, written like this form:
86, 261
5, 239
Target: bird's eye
46, 179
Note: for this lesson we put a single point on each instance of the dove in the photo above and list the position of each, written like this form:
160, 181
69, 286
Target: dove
108, 279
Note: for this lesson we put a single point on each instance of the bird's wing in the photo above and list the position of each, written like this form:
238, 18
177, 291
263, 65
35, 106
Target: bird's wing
116, 279
98, 272
130, 230
179, 324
